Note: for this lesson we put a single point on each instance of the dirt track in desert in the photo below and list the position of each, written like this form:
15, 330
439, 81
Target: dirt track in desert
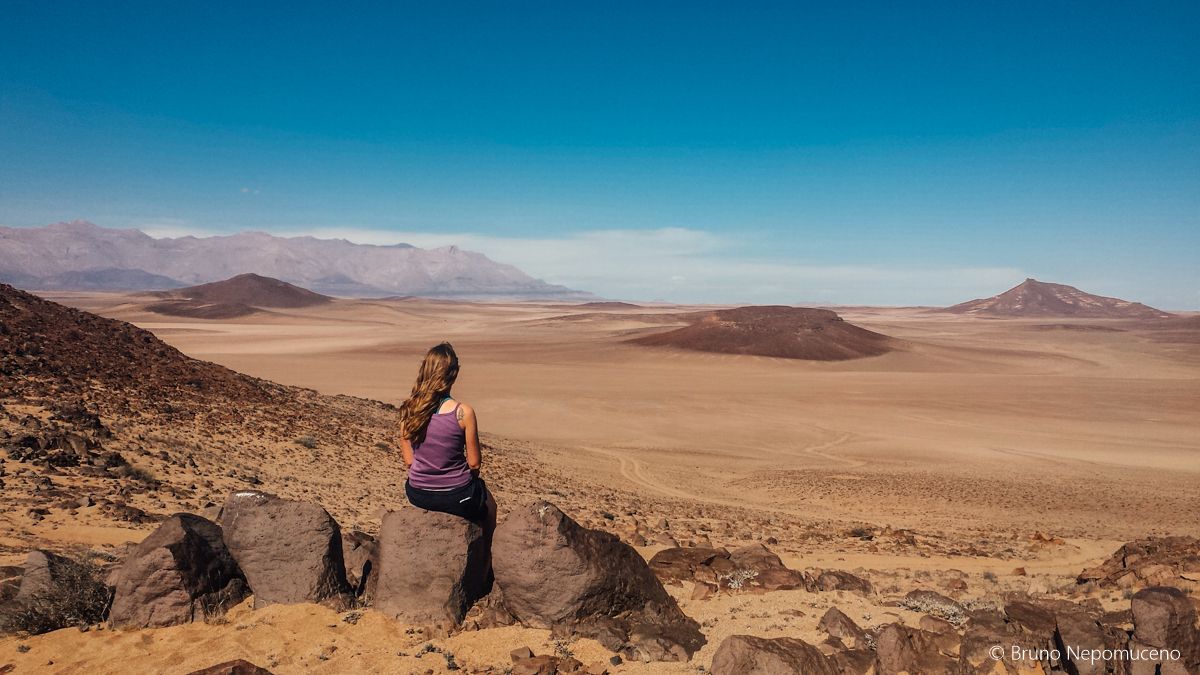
1087, 429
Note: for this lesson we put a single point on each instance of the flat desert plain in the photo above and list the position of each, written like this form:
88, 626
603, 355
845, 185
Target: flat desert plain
1084, 428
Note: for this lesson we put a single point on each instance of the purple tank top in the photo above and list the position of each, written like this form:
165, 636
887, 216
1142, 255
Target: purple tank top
440, 462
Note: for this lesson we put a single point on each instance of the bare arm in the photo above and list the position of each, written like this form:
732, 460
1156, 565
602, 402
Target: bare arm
466, 420
406, 451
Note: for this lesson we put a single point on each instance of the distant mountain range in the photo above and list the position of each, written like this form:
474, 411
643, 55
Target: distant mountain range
1033, 298
82, 256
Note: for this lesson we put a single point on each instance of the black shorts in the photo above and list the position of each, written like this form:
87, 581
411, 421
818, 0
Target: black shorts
468, 501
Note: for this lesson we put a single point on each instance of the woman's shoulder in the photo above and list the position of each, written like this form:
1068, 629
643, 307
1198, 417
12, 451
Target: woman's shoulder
464, 410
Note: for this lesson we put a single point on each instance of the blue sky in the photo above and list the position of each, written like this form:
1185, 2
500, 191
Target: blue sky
889, 153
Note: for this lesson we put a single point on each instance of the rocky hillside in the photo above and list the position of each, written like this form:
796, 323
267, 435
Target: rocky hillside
784, 332
1038, 299
38, 258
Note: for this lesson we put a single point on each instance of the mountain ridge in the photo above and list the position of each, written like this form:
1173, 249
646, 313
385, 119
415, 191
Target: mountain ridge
35, 257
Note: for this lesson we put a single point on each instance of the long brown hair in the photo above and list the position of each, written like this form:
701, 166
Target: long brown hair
434, 379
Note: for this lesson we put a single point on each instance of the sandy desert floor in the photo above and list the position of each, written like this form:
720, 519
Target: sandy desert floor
1000, 444
1084, 428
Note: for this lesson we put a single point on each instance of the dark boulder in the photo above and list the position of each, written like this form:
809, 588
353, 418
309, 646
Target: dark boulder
901, 649
178, 574
749, 655
1165, 618
679, 564
1032, 630
837, 580
836, 624
751, 568
766, 571
556, 574
289, 552
432, 567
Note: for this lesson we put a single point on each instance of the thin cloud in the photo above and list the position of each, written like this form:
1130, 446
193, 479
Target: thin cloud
686, 265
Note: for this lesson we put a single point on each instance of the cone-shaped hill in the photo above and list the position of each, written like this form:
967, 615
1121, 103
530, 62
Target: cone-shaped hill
1033, 298
234, 297
784, 332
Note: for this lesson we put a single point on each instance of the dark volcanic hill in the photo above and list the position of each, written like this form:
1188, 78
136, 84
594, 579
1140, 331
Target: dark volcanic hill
253, 290
235, 297
785, 332
607, 304
1033, 298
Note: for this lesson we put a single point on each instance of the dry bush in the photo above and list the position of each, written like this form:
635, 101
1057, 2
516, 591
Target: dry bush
77, 598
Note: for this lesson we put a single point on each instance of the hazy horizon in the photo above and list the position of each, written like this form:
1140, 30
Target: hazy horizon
776, 154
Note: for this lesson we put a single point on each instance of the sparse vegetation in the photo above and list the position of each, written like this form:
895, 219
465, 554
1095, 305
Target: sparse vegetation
135, 473
928, 605
77, 598
736, 580
562, 649
214, 605
861, 532
307, 441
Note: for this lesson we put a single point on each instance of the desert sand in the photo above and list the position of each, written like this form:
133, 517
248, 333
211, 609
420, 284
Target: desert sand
981, 454
971, 425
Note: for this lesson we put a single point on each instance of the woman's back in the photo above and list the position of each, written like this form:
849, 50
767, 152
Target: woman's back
439, 462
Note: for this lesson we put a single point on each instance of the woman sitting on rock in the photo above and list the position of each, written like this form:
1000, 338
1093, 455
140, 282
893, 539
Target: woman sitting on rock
439, 437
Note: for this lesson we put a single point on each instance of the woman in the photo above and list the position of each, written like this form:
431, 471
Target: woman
439, 438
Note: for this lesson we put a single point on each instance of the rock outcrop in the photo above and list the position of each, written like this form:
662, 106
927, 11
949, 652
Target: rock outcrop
836, 624
753, 568
837, 580
289, 551
556, 574
1165, 618
432, 567
901, 649
1154, 561
178, 574
748, 655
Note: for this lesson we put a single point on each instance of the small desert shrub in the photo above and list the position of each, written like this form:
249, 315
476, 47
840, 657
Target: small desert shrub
134, 473
953, 614
213, 606
865, 533
562, 649
78, 598
383, 446
736, 580
973, 604
307, 441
